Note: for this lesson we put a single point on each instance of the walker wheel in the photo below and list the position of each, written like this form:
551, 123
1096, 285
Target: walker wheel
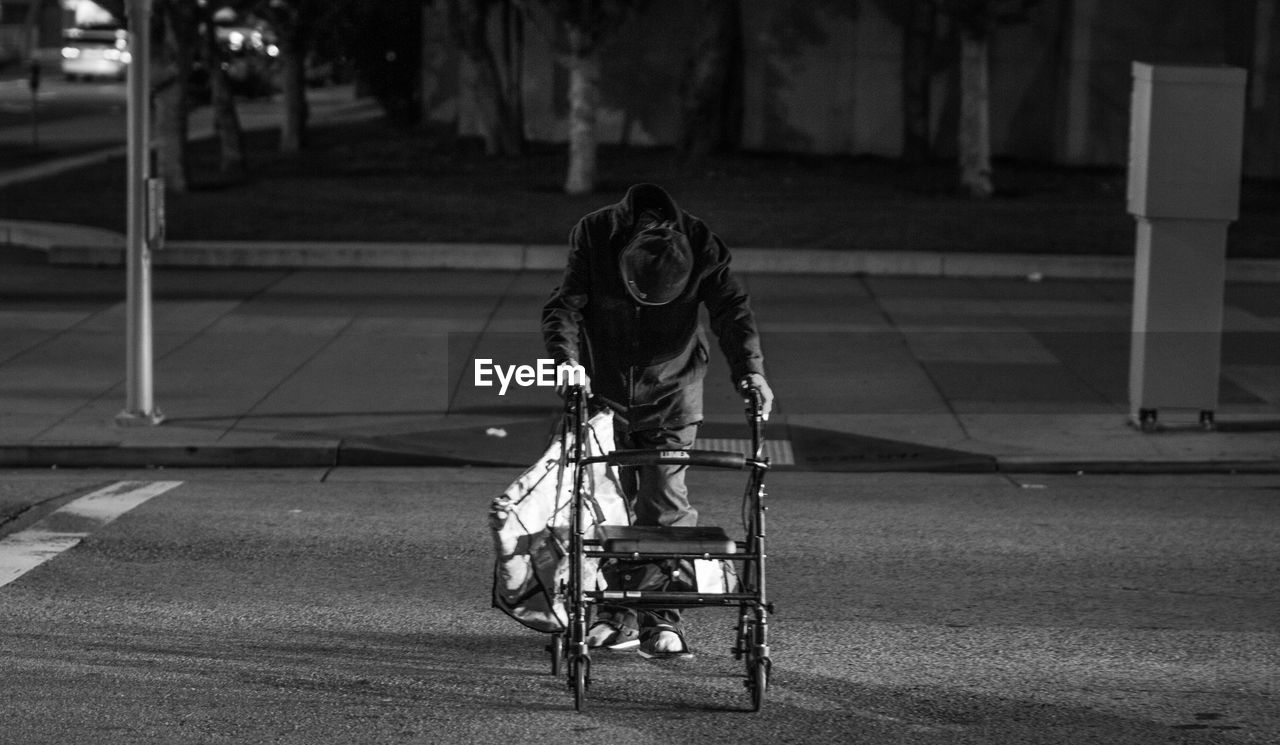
758, 681
579, 679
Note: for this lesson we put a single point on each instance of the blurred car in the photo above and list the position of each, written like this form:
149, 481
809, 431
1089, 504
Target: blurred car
95, 52
250, 53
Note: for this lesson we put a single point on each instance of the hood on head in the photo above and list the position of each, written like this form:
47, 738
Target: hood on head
641, 197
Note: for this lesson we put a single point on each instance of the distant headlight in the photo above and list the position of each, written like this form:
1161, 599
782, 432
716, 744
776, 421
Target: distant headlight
126, 57
273, 50
70, 52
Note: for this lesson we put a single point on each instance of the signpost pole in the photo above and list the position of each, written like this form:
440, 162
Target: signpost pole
140, 408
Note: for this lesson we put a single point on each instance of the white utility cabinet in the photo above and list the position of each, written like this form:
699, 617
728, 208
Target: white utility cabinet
1185, 143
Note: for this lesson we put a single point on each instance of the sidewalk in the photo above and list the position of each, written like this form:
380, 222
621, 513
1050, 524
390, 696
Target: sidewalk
282, 367
881, 360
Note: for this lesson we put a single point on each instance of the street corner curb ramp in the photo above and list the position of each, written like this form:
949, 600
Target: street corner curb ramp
789, 447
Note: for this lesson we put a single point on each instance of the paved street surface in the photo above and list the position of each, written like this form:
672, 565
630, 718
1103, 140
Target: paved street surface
352, 605
321, 603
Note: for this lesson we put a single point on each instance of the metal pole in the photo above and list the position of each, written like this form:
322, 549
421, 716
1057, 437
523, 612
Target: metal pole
140, 408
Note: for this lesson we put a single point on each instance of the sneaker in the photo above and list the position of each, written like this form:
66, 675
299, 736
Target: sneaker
663, 641
605, 635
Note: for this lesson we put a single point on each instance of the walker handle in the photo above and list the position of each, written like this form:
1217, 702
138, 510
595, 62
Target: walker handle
575, 419
755, 415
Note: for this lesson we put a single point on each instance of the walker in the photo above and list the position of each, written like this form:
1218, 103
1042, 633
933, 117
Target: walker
706, 543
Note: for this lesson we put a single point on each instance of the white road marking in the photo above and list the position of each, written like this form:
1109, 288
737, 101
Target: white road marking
28, 549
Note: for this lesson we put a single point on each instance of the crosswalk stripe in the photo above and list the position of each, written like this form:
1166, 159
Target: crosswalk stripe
27, 549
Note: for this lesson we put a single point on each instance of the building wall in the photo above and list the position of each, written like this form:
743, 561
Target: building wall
1262, 118
1155, 31
824, 76
641, 69
821, 78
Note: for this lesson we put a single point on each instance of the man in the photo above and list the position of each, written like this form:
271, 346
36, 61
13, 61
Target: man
627, 310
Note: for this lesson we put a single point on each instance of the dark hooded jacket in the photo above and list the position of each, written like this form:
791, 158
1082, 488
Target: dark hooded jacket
647, 362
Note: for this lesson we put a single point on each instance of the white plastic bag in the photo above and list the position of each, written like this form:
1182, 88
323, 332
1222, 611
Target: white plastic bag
530, 526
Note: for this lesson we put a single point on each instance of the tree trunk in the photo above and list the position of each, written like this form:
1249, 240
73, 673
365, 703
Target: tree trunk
477, 103
707, 94
974, 137
1262, 149
294, 39
495, 120
226, 120
513, 21
171, 65
293, 135
489, 91
170, 133
31, 28
917, 75
293, 129
584, 94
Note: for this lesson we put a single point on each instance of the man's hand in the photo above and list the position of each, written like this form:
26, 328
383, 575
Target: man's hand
571, 373
499, 509
757, 381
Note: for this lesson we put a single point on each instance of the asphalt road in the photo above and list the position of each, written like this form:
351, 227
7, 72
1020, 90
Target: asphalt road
57, 100
64, 122
351, 605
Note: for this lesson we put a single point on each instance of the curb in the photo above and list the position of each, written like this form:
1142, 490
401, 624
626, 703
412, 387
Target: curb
522, 257
1137, 467
223, 456
362, 455
72, 245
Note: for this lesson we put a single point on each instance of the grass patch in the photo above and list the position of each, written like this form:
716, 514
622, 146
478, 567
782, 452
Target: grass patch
370, 181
